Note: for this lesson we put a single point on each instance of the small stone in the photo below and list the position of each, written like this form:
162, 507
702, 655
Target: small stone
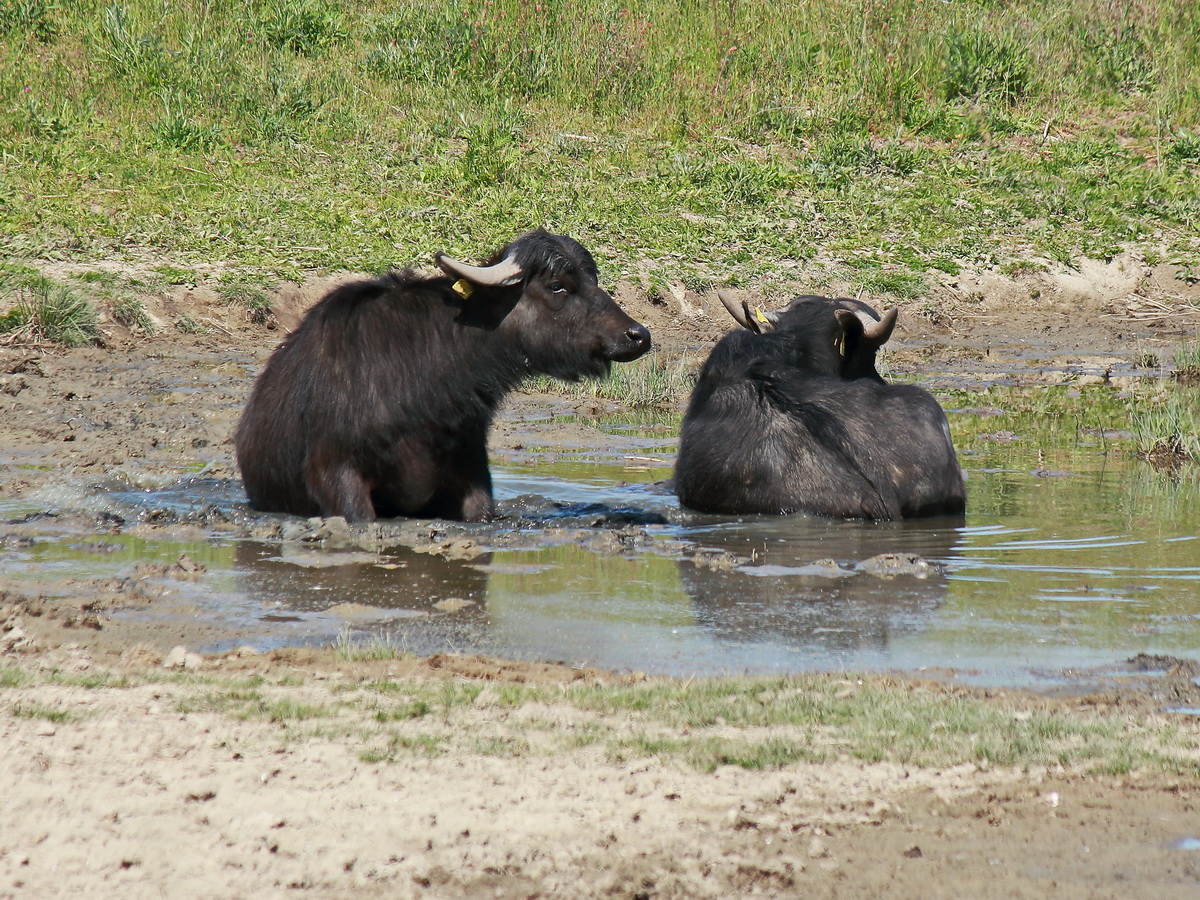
176, 659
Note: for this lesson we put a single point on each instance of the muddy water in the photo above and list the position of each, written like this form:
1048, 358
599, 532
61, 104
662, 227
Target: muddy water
1076, 558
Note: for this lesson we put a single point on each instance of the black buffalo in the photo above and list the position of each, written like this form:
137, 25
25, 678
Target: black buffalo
790, 415
379, 403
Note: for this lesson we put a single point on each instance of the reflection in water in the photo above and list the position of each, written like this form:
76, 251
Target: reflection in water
400, 581
837, 610
438, 603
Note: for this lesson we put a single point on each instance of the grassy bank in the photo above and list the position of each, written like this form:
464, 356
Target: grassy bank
755, 723
726, 142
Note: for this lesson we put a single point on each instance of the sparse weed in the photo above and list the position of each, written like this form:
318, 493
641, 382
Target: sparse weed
185, 324
130, 312
401, 746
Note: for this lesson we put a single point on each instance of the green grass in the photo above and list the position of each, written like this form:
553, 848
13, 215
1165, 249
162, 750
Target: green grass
738, 142
42, 711
1165, 420
647, 382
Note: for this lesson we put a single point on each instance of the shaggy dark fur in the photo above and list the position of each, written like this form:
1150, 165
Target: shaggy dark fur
798, 420
379, 403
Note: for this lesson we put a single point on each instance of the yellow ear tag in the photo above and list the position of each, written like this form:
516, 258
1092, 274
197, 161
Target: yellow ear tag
463, 288
761, 316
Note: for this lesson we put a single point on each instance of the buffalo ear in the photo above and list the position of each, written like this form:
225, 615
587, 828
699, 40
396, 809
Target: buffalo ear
758, 321
860, 335
849, 336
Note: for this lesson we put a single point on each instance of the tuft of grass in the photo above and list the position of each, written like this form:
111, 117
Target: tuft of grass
401, 746
49, 311
41, 711
985, 65
378, 646
11, 676
1165, 421
1184, 147
28, 18
130, 312
417, 709
1187, 363
248, 293
176, 275
288, 710
900, 284
647, 382
504, 746
308, 27
175, 129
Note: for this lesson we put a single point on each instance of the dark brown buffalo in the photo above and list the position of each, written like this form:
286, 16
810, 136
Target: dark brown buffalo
790, 415
379, 403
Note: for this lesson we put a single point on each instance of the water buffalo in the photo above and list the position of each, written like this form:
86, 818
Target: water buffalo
790, 415
379, 403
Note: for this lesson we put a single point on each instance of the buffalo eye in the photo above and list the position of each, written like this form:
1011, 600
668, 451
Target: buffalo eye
557, 287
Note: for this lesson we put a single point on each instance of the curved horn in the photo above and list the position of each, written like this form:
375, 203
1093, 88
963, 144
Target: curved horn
879, 332
735, 309
758, 321
502, 274
874, 331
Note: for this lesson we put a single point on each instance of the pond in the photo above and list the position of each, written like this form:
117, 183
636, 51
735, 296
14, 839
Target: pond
1074, 554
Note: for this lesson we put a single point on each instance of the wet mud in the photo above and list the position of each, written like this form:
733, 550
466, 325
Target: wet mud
124, 519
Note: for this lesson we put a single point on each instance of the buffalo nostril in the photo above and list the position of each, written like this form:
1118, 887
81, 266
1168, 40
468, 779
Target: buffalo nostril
639, 336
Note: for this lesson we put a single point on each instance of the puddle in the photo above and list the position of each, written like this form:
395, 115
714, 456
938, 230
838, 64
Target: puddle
1189, 843
592, 562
